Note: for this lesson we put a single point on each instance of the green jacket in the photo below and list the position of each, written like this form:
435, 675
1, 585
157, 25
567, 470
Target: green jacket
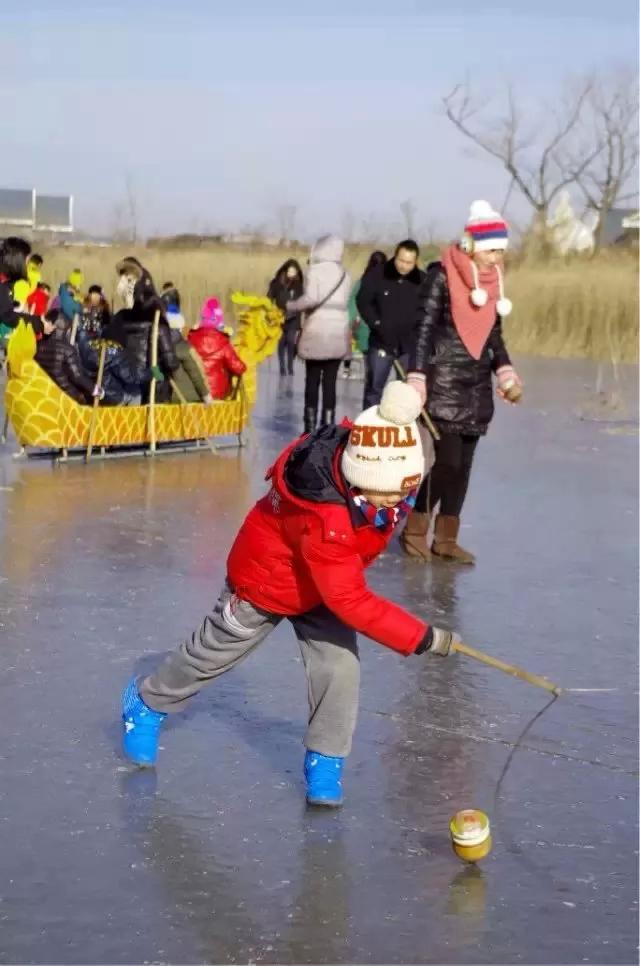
189, 377
359, 328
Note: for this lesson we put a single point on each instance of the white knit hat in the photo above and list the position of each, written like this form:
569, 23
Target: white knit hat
384, 453
486, 229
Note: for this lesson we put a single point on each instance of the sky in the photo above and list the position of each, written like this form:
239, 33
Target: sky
213, 115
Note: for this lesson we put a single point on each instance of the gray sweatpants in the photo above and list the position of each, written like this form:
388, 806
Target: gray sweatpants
233, 631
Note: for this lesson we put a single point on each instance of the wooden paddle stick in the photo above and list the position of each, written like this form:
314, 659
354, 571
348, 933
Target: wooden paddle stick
152, 389
96, 401
74, 329
511, 669
425, 415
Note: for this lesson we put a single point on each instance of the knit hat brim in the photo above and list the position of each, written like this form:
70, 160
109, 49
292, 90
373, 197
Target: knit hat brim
377, 479
492, 242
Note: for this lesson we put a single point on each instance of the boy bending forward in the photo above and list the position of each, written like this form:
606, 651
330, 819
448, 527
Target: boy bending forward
336, 497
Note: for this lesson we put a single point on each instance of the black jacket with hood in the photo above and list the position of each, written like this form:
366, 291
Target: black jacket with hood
388, 303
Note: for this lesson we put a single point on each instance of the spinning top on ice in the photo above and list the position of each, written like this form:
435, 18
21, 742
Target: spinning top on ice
470, 834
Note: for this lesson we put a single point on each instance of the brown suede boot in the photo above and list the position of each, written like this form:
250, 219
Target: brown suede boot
413, 538
445, 541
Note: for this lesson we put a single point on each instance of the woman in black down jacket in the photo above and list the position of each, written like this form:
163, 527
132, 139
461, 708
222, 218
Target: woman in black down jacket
459, 346
141, 301
286, 286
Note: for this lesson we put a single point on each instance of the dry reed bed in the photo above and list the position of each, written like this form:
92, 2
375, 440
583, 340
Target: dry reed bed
578, 308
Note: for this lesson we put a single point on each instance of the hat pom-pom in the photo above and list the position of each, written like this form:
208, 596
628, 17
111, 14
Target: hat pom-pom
504, 307
479, 297
400, 403
481, 210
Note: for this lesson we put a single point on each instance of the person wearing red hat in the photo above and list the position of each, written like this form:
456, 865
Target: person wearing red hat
459, 348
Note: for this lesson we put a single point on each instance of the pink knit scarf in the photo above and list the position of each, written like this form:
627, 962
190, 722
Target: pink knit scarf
472, 323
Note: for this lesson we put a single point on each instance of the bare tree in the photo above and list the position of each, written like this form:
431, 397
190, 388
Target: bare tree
118, 223
529, 152
370, 228
408, 210
286, 221
610, 119
348, 224
132, 207
430, 231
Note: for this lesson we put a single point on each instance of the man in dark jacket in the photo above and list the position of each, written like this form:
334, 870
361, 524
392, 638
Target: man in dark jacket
61, 362
388, 303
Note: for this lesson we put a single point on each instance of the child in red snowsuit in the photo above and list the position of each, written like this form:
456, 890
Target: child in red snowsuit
335, 499
213, 345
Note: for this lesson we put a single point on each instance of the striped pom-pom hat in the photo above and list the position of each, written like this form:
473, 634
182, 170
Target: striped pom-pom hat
486, 229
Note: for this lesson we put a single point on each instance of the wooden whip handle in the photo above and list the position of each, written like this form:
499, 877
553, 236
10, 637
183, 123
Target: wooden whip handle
424, 414
511, 669
152, 389
96, 401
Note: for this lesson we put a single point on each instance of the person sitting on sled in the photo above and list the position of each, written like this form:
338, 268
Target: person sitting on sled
121, 379
62, 363
211, 341
335, 499
95, 315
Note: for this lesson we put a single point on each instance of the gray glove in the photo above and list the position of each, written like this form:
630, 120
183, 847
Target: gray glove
437, 641
442, 641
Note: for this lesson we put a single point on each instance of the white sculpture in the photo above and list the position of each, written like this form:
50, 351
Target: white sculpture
567, 232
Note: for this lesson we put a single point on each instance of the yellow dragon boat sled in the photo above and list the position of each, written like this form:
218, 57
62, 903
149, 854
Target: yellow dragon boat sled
44, 417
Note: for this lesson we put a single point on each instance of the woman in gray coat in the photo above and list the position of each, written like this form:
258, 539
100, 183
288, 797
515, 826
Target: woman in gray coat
326, 334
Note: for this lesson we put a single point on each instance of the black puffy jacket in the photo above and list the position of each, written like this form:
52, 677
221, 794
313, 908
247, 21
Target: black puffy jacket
387, 301
459, 387
120, 374
137, 327
61, 362
281, 293
95, 318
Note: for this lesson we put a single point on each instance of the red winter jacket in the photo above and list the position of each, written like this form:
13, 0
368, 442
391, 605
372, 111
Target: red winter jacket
219, 358
300, 547
38, 301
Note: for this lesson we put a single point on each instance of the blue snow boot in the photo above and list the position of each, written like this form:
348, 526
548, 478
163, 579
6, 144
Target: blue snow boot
141, 727
324, 779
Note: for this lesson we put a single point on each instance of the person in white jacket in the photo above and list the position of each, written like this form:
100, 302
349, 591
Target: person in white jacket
326, 333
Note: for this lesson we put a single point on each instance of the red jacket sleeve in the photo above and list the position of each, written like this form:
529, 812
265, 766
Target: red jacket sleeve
338, 575
233, 361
